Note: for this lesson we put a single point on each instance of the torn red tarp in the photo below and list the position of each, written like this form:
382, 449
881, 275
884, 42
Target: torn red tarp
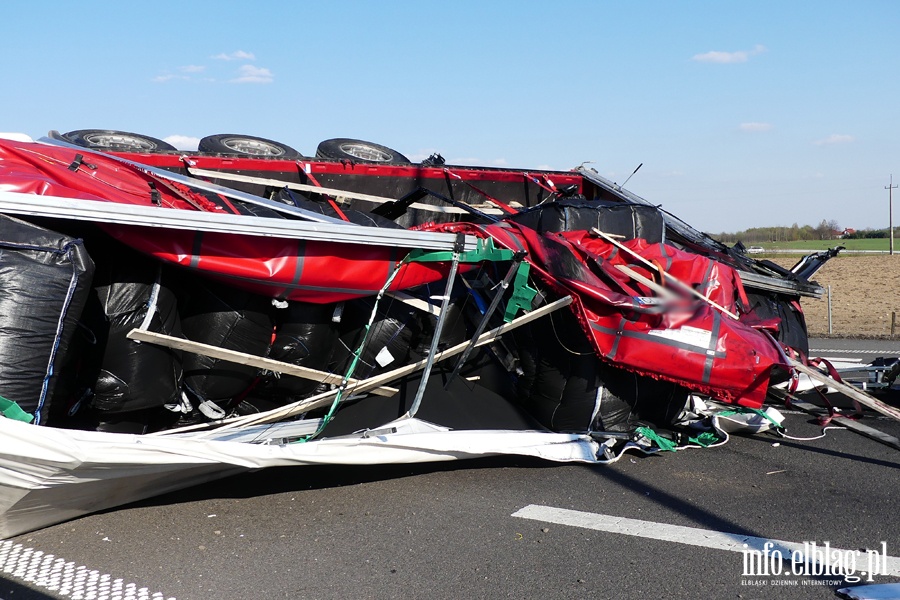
307, 270
686, 341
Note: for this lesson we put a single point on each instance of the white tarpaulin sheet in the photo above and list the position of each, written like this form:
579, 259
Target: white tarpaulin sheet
51, 475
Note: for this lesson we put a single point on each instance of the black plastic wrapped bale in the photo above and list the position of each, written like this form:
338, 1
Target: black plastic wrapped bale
305, 335
45, 279
576, 214
792, 326
455, 329
394, 332
132, 292
566, 387
399, 334
225, 317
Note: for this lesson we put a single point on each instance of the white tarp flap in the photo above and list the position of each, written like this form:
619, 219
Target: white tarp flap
51, 475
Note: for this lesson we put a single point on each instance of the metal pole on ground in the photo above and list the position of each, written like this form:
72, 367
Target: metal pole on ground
829, 311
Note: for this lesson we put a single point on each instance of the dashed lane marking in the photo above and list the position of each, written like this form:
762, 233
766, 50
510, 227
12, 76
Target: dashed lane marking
58, 575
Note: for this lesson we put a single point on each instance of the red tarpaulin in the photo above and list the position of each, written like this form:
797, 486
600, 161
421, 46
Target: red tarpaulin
306, 270
686, 341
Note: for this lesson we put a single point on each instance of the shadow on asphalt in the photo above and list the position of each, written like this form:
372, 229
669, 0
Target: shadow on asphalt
807, 446
277, 480
689, 510
12, 590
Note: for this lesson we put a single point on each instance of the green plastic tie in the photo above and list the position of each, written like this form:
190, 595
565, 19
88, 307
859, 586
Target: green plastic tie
743, 410
663, 444
11, 410
522, 294
484, 251
705, 439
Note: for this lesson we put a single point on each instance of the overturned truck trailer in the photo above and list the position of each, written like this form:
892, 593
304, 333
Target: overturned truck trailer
169, 318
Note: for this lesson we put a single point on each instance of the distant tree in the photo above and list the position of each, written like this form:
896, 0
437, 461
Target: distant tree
824, 231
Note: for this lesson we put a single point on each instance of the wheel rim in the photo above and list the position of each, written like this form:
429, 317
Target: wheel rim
118, 140
252, 147
366, 152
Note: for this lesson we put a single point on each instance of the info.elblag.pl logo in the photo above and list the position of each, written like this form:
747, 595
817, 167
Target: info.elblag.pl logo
814, 560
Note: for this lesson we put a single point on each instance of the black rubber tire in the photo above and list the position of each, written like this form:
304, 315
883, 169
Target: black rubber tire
247, 145
117, 141
359, 151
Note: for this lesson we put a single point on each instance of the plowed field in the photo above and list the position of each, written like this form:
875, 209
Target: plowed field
865, 289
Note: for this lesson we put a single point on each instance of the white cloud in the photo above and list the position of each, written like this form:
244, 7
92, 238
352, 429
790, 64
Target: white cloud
183, 142
184, 73
716, 56
251, 74
835, 138
236, 55
755, 127
168, 77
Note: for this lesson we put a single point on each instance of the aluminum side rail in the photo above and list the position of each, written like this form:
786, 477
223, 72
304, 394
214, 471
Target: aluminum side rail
174, 218
204, 185
781, 286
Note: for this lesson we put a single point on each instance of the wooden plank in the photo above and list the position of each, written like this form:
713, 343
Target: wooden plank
855, 426
246, 359
663, 292
366, 385
848, 390
302, 187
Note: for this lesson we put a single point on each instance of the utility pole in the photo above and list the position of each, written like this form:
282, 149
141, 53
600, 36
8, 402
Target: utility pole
890, 189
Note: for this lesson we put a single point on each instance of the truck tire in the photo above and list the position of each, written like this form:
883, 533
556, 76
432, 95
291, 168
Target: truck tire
117, 141
359, 151
247, 145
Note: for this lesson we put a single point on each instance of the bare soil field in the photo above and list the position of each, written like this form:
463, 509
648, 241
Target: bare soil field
865, 290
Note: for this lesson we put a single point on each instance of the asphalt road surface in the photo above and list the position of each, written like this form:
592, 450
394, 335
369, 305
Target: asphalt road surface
497, 528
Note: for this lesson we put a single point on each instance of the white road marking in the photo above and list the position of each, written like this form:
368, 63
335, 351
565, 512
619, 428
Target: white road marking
692, 536
57, 575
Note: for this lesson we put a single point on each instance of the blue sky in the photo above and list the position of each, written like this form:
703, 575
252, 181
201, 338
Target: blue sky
742, 113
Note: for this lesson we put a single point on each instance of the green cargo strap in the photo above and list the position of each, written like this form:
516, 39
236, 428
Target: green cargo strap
661, 442
11, 410
485, 251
